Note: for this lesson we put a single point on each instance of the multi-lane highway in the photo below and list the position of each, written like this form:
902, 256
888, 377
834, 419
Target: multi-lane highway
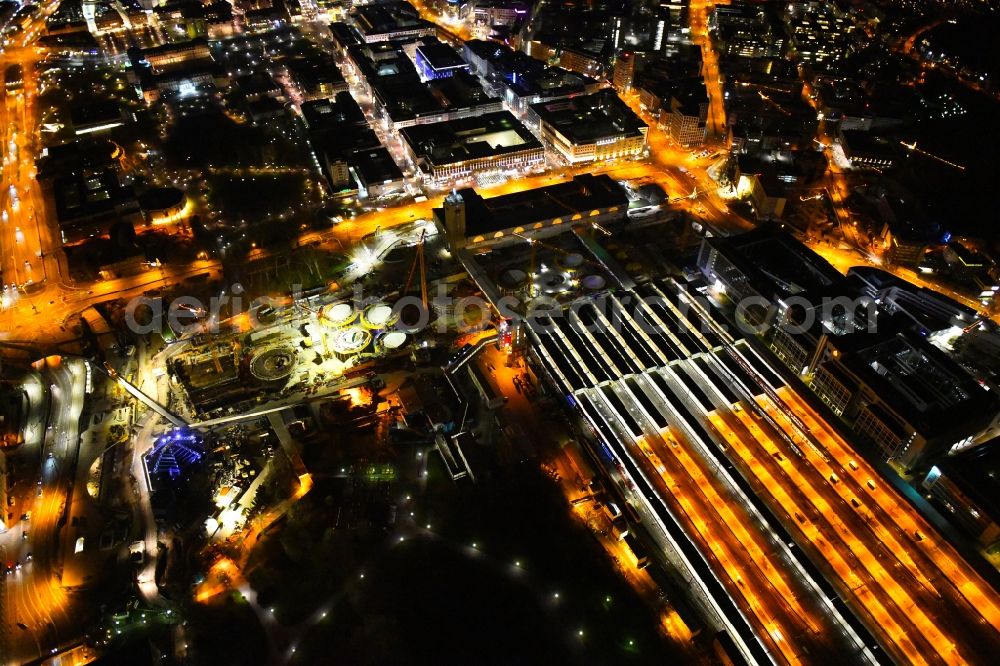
730, 464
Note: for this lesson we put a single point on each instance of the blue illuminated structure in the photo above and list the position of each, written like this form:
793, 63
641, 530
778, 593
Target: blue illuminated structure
173, 452
438, 61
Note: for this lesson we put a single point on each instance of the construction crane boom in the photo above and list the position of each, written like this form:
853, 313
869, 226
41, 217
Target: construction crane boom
420, 261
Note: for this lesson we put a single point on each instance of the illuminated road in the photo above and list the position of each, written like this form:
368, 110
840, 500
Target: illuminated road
907, 47
916, 593
452, 29
19, 237
38, 612
859, 250
21, 314
845, 259
30, 252
698, 13
44, 317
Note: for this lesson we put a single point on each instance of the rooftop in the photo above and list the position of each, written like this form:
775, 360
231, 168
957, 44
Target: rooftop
776, 265
375, 166
344, 35
408, 98
380, 61
920, 383
312, 71
325, 114
387, 18
583, 194
977, 474
341, 144
91, 116
689, 93
551, 82
86, 194
469, 138
440, 56
588, 118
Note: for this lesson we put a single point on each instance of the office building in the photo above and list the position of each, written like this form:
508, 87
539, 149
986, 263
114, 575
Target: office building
472, 146
903, 398
546, 85
436, 60
470, 221
590, 128
375, 173
390, 21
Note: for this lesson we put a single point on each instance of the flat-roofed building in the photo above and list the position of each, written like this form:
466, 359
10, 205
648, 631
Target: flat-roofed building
581, 61
590, 128
470, 221
686, 116
82, 183
335, 114
97, 118
867, 151
498, 62
390, 21
495, 12
905, 398
405, 102
437, 61
337, 130
967, 487
343, 36
467, 146
314, 77
912, 402
168, 56
551, 83
376, 174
